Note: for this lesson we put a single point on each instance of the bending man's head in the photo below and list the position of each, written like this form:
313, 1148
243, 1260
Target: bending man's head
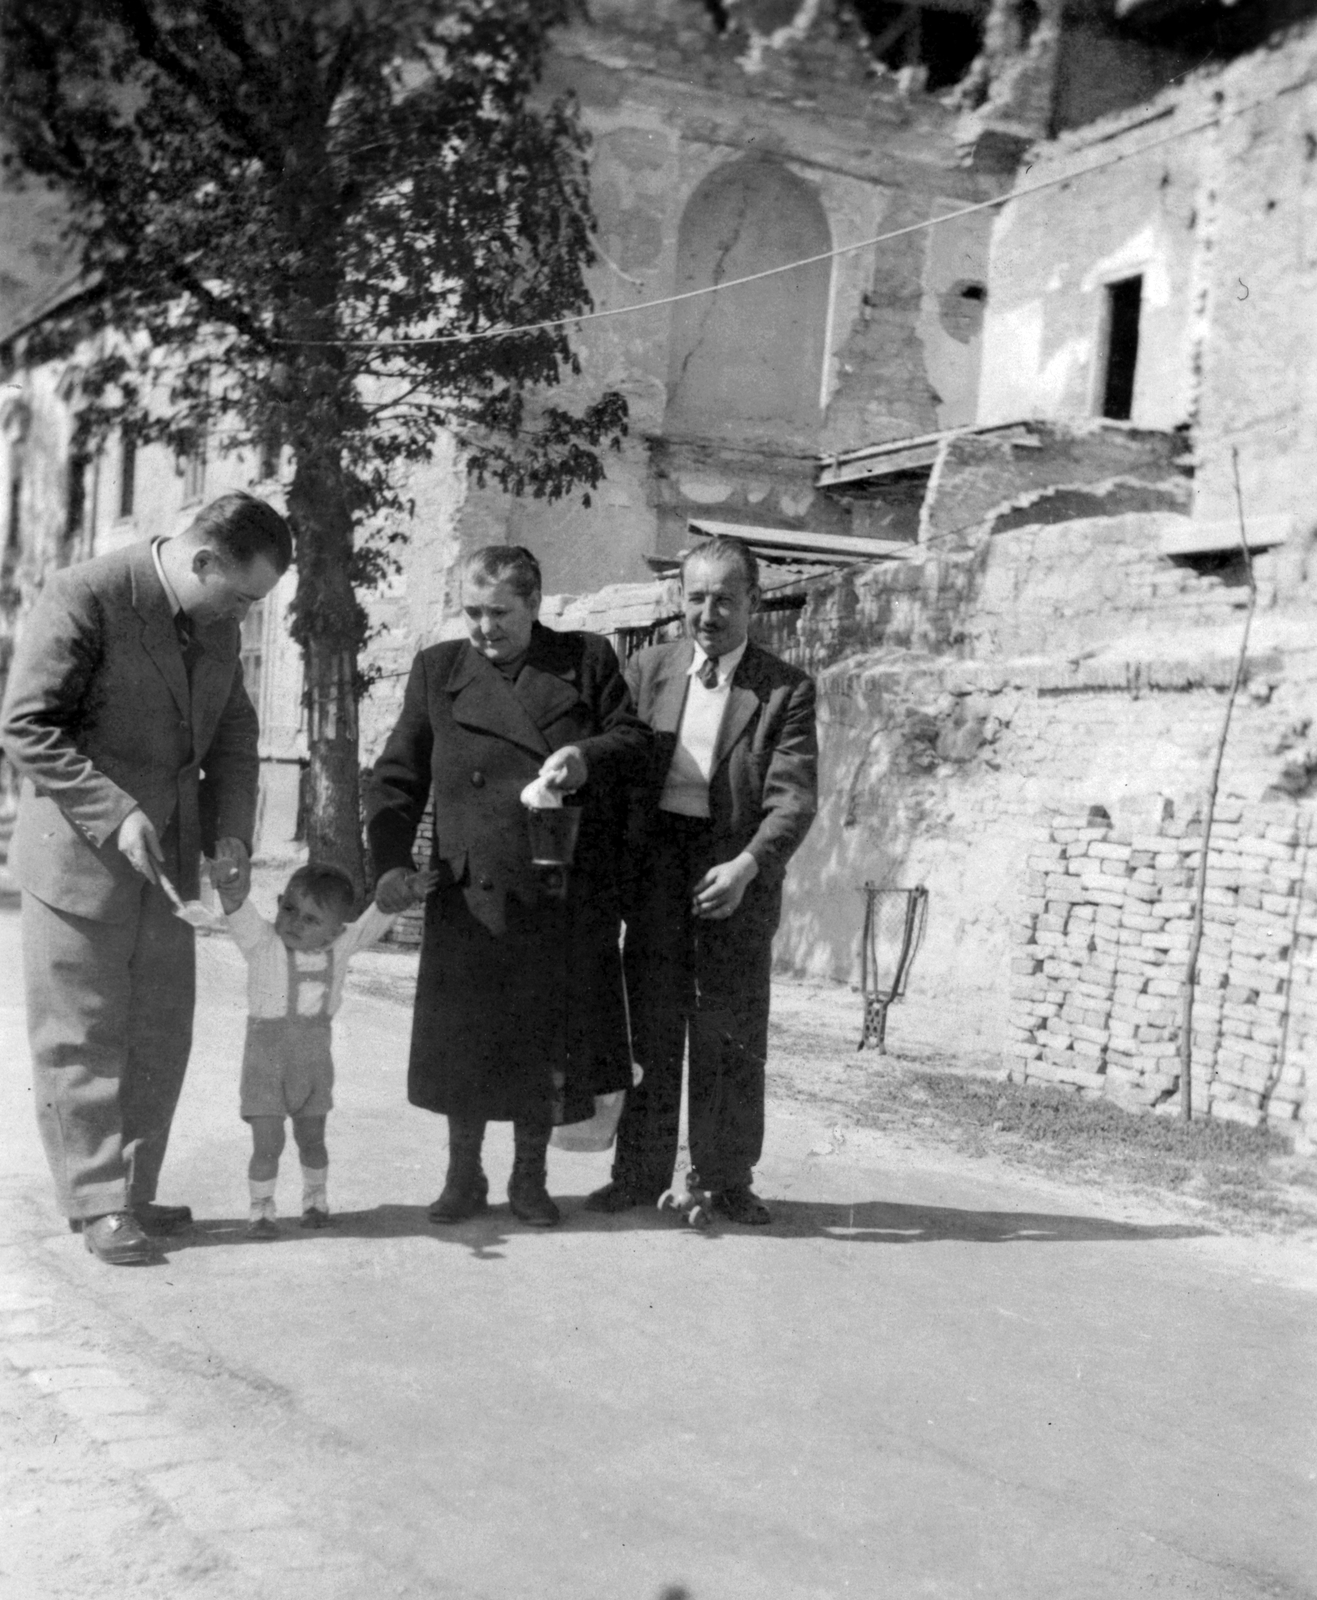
239, 527
229, 556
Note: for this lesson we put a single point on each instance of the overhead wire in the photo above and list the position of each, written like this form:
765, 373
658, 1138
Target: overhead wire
1021, 192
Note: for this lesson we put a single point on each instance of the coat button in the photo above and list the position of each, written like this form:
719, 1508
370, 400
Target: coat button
477, 779
486, 883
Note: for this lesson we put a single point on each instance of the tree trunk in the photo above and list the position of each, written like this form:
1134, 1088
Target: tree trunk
328, 624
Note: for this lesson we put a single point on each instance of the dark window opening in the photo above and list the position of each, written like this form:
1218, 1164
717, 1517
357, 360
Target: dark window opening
1122, 354
1214, 29
960, 309
942, 38
76, 504
14, 520
1027, 18
194, 473
1228, 567
127, 476
13, 542
718, 11
269, 450
251, 651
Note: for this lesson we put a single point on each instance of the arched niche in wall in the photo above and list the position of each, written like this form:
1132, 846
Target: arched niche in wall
747, 363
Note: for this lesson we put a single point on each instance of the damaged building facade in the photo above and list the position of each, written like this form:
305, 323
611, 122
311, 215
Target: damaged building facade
991, 463
1064, 637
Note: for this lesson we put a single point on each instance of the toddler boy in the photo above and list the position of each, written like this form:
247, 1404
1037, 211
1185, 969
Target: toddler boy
295, 971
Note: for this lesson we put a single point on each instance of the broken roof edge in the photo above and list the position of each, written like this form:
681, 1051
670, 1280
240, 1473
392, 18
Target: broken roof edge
64, 296
836, 461
779, 543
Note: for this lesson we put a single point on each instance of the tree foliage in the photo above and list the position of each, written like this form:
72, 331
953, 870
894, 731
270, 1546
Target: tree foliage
291, 216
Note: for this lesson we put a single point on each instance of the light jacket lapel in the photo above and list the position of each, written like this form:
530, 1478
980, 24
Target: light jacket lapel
159, 639
484, 699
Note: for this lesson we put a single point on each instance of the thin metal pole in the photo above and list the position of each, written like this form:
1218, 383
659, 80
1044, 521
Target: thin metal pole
1200, 886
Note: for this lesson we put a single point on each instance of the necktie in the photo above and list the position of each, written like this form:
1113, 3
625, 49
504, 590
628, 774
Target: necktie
187, 642
708, 673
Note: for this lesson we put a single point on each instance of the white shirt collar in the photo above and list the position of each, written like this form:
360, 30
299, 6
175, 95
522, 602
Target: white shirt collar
727, 664
175, 605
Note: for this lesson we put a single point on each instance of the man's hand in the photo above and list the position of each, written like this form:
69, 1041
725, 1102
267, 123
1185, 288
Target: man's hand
721, 890
565, 770
232, 874
137, 839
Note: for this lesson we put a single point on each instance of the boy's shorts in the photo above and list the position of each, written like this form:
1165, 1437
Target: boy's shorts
287, 1068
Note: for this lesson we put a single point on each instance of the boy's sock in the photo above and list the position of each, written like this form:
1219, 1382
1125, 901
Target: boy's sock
262, 1193
315, 1192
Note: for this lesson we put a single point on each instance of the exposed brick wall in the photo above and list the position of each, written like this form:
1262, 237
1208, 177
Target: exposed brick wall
1000, 674
1100, 953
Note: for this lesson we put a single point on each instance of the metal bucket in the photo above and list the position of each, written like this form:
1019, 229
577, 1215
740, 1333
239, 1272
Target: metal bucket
553, 835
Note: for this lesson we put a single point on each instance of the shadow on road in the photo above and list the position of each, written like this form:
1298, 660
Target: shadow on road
887, 1222
494, 1227
867, 1222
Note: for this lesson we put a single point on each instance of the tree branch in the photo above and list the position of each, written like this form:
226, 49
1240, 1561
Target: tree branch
218, 100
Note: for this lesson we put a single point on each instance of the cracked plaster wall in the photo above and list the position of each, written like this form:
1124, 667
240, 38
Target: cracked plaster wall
670, 102
987, 681
1222, 227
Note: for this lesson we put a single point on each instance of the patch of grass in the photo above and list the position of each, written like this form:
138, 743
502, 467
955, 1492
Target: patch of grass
1233, 1169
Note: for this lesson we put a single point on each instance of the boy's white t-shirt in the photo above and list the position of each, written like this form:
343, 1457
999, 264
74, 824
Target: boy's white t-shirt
267, 962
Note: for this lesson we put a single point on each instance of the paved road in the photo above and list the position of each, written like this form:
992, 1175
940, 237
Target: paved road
919, 1382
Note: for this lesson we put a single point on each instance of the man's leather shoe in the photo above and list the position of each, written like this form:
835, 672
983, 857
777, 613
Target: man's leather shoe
618, 1196
741, 1204
118, 1240
153, 1218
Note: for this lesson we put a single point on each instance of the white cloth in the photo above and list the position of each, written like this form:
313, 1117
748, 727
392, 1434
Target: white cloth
267, 962
175, 605
540, 795
686, 790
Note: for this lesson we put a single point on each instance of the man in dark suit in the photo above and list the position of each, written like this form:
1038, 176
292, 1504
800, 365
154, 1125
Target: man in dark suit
127, 720
732, 793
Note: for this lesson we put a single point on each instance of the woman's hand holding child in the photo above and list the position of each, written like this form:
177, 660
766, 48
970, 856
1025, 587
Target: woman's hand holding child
399, 889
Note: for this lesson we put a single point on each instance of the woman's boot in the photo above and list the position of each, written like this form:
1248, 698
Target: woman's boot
466, 1188
527, 1193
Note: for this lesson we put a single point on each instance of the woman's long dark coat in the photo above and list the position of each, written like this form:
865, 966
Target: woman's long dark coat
519, 1008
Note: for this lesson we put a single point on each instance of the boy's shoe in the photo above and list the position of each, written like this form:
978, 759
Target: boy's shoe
314, 1217
264, 1228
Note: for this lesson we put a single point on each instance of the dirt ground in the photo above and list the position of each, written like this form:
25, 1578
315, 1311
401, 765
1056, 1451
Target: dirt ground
920, 1099
958, 1365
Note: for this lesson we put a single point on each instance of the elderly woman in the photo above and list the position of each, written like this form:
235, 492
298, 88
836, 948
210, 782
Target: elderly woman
519, 1012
